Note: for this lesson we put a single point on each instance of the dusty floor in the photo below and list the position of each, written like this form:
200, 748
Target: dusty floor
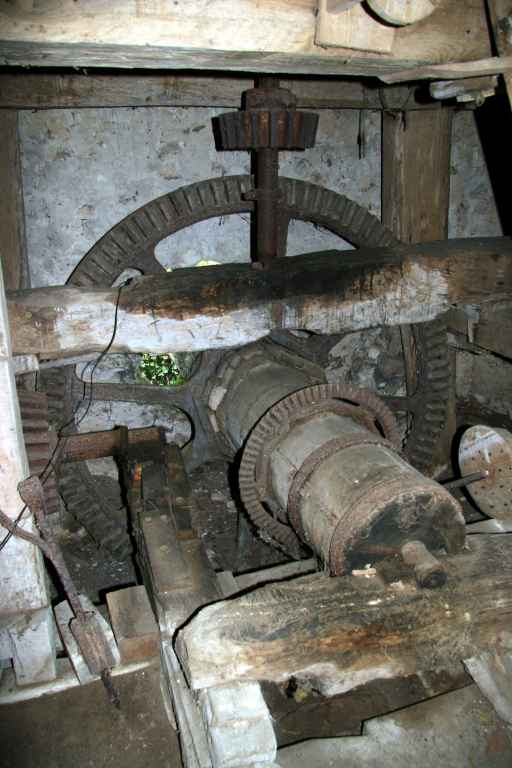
456, 730
79, 728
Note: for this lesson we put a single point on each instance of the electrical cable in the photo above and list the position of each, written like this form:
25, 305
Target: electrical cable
61, 439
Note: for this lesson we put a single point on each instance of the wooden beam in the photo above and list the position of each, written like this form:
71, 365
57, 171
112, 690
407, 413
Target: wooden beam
233, 304
416, 150
42, 90
268, 36
98, 445
334, 634
416, 174
452, 71
13, 254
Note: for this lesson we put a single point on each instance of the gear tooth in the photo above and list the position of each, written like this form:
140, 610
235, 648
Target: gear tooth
133, 236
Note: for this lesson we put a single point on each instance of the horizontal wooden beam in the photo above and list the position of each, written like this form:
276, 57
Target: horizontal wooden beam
267, 36
495, 65
233, 304
42, 90
98, 445
334, 634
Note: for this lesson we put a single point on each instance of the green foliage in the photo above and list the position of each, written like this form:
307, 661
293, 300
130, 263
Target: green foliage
162, 370
171, 369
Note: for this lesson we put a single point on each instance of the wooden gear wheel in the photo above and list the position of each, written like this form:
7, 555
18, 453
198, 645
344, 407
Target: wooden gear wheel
131, 244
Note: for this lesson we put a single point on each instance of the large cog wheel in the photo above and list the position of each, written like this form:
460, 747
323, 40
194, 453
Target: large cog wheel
131, 243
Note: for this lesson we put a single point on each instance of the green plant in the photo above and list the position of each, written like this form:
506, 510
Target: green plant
170, 369
162, 370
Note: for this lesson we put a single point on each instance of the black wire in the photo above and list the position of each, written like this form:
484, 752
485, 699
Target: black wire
61, 441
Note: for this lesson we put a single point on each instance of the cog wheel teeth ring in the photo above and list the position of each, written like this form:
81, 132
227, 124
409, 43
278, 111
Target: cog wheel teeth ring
284, 535
117, 251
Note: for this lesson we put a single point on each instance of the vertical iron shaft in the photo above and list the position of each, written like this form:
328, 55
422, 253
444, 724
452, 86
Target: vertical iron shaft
267, 181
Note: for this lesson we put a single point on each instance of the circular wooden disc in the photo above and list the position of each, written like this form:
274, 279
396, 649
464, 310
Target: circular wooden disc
484, 448
402, 12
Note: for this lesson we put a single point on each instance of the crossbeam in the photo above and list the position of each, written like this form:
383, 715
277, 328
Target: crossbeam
233, 304
334, 634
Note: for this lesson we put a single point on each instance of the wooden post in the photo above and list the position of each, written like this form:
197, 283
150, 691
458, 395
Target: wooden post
416, 195
26, 621
416, 174
13, 254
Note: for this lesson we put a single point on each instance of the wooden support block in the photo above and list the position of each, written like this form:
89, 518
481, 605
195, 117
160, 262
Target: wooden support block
134, 624
352, 27
177, 572
335, 634
30, 641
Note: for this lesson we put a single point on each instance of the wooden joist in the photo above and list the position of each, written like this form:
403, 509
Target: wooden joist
268, 36
494, 65
43, 90
233, 304
335, 634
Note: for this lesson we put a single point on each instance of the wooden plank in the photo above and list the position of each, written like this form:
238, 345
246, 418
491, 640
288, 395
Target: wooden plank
13, 252
134, 624
491, 66
268, 36
353, 28
334, 634
500, 12
230, 305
